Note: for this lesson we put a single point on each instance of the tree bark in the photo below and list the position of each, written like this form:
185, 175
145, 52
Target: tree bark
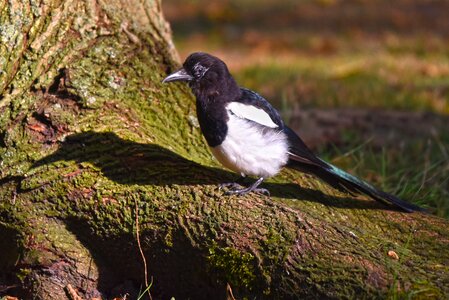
88, 134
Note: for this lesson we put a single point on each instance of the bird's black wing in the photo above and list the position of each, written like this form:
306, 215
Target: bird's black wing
299, 152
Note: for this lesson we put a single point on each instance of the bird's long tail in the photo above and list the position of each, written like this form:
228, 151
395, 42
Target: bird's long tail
344, 181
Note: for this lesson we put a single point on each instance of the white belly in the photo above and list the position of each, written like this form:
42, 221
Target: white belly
251, 149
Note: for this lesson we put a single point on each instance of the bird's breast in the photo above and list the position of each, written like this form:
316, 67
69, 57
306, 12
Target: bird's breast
252, 149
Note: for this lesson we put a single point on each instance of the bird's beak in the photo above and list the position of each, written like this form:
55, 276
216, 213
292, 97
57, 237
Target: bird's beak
180, 75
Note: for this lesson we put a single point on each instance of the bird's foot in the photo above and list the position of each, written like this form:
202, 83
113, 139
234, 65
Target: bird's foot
252, 188
230, 185
241, 192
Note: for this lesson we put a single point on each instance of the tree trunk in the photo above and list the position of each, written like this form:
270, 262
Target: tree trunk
91, 143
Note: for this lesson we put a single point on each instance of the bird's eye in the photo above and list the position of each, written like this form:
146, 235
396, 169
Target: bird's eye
199, 70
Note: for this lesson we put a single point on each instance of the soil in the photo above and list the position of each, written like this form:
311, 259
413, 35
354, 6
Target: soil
320, 127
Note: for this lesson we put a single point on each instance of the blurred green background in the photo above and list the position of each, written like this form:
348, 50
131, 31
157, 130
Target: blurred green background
364, 82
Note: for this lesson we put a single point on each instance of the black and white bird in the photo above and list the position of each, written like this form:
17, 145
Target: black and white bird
247, 135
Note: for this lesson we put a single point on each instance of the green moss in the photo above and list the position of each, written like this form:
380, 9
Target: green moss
235, 267
276, 246
23, 273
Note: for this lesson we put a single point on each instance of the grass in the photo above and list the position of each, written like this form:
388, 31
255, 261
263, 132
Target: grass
147, 290
348, 81
340, 54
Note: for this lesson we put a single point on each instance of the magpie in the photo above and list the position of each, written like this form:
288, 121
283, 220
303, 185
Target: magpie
247, 135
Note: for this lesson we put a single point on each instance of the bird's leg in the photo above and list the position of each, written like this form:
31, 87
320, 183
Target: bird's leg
251, 188
233, 185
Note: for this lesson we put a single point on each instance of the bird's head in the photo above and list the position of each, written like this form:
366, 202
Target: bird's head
203, 72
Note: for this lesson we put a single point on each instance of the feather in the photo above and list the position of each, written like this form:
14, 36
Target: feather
251, 113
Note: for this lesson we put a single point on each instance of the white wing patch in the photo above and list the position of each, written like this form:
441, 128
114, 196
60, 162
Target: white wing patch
252, 113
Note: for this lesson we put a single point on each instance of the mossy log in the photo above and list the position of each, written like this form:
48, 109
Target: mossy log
91, 142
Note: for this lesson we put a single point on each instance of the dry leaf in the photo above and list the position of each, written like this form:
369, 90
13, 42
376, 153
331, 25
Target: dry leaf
393, 255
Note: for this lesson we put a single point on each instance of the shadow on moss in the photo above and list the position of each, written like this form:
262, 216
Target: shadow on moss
128, 162
121, 269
